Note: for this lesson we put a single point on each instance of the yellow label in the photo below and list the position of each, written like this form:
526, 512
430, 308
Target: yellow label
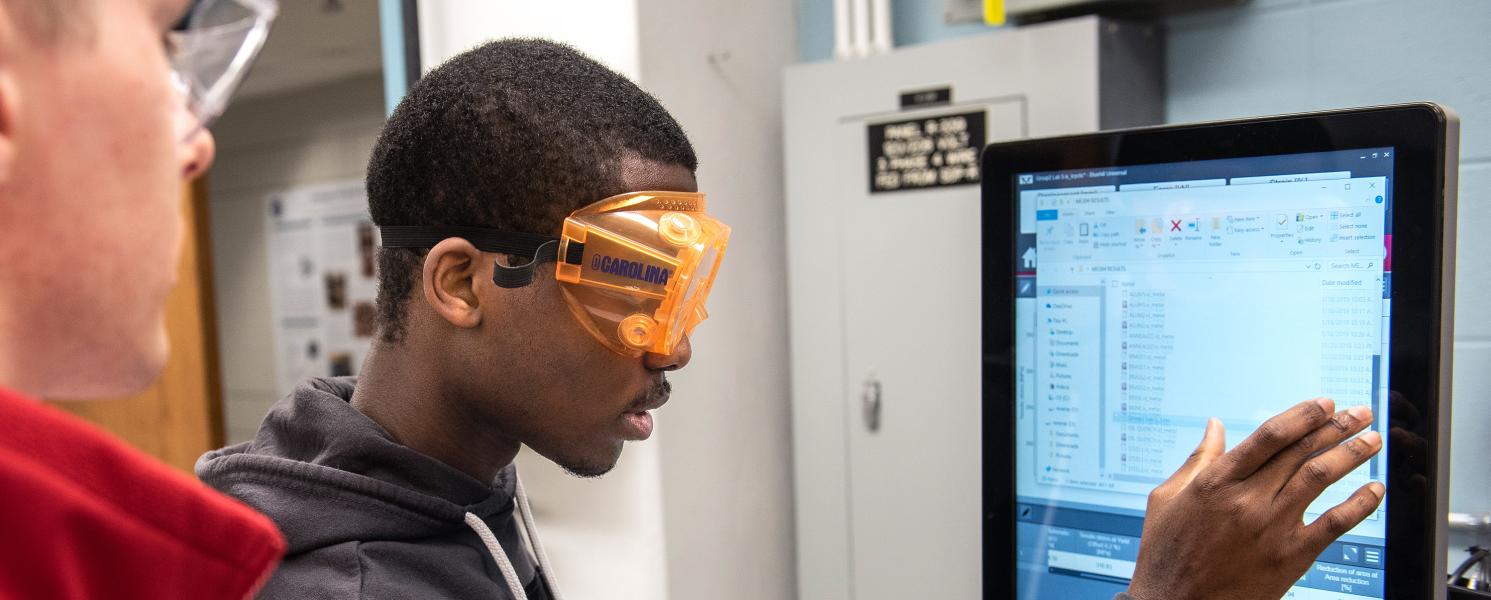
994, 12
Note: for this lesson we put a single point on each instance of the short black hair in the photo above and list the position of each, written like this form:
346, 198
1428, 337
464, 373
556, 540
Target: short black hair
512, 135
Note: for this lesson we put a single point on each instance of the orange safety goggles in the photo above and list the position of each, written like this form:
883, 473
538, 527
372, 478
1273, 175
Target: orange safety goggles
635, 269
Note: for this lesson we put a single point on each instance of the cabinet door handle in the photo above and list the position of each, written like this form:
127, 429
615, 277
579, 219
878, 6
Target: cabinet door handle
870, 402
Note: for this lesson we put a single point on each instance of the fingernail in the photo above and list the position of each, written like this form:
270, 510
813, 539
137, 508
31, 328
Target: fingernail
1372, 438
1377, 489
1327, 404
1360, 413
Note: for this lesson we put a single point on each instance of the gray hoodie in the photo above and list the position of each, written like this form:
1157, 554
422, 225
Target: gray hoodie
367, 517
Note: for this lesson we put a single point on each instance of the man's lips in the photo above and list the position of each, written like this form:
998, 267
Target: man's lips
638, 425
638, 422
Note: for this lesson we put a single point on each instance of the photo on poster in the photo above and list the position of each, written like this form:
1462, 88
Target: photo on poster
367, 247
336, 291
364, 319
340, 365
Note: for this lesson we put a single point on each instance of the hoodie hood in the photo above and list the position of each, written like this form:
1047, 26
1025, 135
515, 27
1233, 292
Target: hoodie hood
366, 515
328, 474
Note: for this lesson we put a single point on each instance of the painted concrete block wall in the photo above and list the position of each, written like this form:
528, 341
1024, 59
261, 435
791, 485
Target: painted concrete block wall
266, 144
912, 22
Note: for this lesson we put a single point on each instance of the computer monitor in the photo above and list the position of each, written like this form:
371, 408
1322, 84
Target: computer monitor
1138, 282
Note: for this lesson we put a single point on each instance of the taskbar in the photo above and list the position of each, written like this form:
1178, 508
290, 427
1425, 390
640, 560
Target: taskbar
1092, 548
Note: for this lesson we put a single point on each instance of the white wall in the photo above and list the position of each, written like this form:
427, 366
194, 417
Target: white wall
266, 144
726, 458
604, 29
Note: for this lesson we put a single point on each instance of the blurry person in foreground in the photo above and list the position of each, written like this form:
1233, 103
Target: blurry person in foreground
103, 109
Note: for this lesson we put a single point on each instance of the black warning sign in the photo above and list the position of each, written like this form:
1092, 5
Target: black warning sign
928, 97
924, 153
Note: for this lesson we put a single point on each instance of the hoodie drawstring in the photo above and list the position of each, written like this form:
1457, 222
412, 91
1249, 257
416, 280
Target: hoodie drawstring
495, 549
530, 531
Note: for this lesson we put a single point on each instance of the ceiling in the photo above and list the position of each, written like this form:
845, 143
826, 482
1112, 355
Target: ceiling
315, 42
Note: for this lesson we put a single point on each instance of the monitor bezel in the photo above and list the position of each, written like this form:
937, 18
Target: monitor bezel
1425, 139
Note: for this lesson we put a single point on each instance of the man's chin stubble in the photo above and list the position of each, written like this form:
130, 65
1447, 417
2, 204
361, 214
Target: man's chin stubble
588, 469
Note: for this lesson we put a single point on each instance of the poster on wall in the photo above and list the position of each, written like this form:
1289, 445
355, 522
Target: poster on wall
322, 247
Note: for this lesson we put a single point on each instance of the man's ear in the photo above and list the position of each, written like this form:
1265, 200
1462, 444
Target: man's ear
8, 107
451, 272
9, 96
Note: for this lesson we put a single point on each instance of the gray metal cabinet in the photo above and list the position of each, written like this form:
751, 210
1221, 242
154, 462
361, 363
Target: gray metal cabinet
885, 291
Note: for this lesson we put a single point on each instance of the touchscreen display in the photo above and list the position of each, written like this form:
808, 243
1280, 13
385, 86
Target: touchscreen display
1151, 297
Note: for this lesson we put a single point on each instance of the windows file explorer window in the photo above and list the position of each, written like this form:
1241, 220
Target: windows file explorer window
1153, 298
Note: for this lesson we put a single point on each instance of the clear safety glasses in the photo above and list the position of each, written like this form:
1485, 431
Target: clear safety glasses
211, 50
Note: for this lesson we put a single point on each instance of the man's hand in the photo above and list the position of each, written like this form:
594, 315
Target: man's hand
1230, 526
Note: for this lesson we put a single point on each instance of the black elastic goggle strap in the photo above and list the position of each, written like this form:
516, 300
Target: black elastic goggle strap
541, 247
520, 275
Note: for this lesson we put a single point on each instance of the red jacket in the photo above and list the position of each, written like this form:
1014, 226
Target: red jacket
83, 515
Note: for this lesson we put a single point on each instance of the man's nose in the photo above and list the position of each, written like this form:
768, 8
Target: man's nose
679, 359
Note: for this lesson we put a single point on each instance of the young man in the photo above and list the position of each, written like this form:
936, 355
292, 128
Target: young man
495, 334
98, 134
